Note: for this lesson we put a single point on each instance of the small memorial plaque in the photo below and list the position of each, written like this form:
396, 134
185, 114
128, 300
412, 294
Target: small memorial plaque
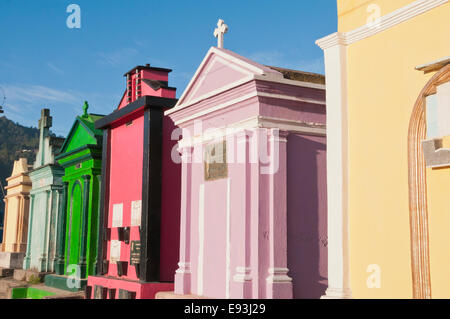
135, 252
117, 215
136, 212
114, 251
215, 161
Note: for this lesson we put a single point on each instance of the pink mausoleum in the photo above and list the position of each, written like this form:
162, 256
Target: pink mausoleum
253, 181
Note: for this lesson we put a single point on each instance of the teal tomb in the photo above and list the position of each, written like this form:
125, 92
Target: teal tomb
47, 201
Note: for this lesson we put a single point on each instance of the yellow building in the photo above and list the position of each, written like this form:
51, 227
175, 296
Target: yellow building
388, 122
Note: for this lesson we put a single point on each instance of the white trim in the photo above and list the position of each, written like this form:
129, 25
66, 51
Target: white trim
299, 127
228, 248
183, 268
278, 275
242, 274
201, 238
390, 20
337, 172
244, 98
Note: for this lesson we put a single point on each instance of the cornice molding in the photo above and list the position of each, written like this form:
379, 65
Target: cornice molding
252, 123
388, 21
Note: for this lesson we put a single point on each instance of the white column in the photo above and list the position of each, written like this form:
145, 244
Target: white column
183, 273
335, 52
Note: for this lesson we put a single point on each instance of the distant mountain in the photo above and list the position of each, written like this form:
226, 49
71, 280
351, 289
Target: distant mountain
15, 141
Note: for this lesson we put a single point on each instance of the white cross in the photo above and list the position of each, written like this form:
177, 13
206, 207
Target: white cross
221, 29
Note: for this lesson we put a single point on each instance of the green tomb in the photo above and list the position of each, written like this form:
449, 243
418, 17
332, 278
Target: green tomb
81, 158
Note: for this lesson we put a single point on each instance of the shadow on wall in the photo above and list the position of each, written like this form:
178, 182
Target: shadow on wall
307, 216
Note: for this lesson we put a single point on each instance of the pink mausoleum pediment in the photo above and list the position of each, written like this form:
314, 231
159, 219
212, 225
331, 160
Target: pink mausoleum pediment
221, 70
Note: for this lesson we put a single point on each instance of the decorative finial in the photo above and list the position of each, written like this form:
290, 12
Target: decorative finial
85, 109
219, 32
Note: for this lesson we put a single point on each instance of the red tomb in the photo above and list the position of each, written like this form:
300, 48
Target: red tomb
140, 200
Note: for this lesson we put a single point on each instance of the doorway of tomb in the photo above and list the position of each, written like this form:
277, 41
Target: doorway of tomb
74, 225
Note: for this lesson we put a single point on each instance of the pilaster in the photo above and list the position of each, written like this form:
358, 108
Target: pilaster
278, 283
183, 273
335, 52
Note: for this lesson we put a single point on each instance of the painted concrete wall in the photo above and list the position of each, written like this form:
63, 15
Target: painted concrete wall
170, 205
125, 182
383, 87
355, 13
307, 216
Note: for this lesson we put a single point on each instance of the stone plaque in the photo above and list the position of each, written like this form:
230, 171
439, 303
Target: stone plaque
215, 161
114, 251
135, 252
117, 215
136, 212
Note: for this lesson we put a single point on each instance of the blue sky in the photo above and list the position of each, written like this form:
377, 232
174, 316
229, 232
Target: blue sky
43, 63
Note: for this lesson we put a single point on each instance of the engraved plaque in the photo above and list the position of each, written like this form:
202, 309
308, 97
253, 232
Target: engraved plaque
117, 215
136, 212
215, 161
135, 252
114, 251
